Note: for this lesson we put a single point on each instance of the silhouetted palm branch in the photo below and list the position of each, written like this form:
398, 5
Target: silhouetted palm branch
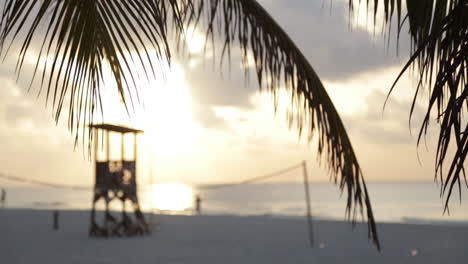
439, 55
81, 35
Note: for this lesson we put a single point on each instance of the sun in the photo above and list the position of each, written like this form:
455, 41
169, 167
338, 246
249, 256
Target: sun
172, 196
162, 107
194, 40
167, 116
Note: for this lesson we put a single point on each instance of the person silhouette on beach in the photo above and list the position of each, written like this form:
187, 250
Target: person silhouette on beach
198, 204
3, 197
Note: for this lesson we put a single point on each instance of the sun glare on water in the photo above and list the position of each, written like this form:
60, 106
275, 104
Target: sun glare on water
172, 196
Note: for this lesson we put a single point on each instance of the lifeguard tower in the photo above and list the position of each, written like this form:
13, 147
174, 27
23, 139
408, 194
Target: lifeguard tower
116, 181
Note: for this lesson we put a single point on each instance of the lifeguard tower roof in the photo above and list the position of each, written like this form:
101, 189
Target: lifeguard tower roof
116, 128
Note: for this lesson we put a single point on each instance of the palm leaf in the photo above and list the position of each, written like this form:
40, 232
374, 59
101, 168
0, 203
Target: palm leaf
83, 34
79, 37
279, 63
439, 55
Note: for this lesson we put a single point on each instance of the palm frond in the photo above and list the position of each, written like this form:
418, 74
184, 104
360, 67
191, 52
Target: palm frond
279, 63
77, 39
439, 55
83, 34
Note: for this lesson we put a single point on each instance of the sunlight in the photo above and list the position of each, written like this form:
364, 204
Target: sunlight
195, 41
248, 62
172, 196
346, 100
163, 108
167, 116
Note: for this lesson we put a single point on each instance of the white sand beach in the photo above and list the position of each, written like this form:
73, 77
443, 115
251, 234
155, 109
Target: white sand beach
27, 237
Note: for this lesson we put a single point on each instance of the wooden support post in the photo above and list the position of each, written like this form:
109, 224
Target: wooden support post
122, 147
108, 145
307, 198
135, 151
122, 158
56, 220
96, 149
96, 145
108, 150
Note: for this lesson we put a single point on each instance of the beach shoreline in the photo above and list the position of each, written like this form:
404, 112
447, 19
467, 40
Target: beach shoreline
28, 237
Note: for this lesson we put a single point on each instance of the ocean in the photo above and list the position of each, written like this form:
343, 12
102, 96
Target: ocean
392, 202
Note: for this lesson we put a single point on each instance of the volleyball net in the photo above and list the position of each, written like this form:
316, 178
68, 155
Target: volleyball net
278, 192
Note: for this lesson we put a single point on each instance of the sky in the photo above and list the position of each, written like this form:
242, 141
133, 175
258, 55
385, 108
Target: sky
203, 124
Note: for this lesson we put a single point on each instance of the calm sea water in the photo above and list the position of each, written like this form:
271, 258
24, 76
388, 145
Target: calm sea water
392, 202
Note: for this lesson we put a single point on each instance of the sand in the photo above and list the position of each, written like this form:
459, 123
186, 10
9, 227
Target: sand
26, 236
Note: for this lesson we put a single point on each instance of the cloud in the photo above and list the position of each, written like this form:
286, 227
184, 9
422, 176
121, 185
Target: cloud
337, 52
31, 145
210, 87
391, 126
206, 117
334, 49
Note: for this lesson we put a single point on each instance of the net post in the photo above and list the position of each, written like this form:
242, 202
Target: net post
307, 198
